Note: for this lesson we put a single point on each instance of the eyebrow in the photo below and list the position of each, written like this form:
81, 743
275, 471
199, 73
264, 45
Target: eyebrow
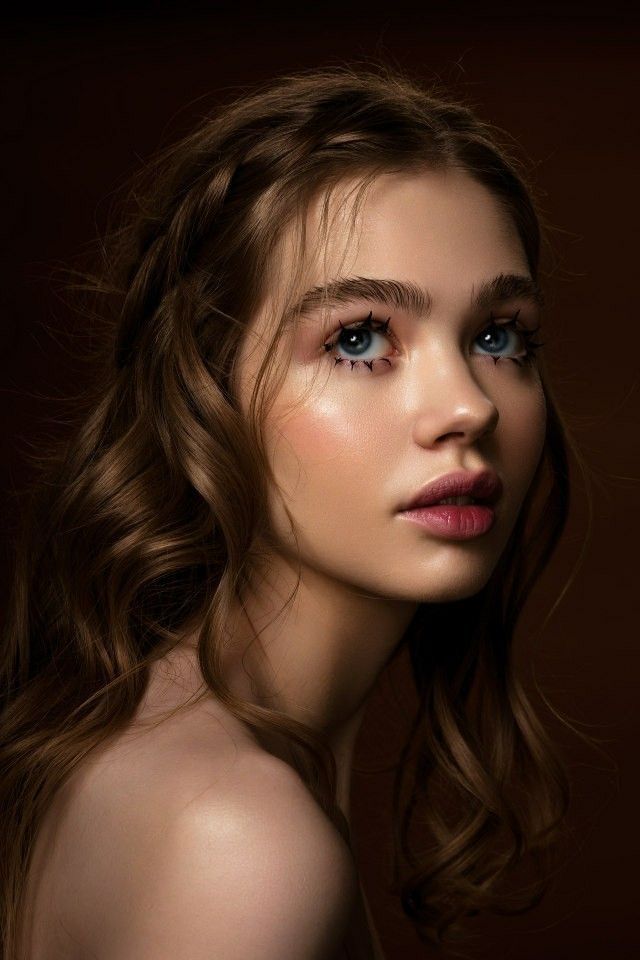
408, 296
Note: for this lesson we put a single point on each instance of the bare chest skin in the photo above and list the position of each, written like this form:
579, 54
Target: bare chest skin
60, 923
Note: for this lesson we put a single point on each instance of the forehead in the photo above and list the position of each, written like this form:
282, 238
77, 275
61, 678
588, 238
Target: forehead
411, 224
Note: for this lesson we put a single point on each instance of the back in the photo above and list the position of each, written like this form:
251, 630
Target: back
190, 843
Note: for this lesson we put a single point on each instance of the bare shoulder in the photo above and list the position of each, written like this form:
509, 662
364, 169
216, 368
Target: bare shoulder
252, 868
192, 842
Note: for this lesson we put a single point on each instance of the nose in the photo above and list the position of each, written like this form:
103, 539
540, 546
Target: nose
450, 403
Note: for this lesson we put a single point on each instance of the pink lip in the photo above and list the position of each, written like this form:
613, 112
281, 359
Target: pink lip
484, 485
453, 522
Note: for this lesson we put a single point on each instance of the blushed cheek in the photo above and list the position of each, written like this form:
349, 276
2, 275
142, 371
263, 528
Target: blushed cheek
326, 460
306, 452
320, 434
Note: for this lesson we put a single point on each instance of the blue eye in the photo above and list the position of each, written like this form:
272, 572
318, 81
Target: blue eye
496, 339
356, 338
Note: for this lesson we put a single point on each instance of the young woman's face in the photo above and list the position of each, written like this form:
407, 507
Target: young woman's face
430, 398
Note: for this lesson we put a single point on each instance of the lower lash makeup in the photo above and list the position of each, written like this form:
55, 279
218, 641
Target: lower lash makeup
378, 326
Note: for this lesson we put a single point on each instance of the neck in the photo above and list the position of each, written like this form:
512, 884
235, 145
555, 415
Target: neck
318, 658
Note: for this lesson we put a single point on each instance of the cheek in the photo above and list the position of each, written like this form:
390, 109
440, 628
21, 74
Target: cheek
327, 450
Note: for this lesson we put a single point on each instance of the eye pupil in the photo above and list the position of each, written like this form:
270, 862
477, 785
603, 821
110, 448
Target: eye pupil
491, 334
352, 339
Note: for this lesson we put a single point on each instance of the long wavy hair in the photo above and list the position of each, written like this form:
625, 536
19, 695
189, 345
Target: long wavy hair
151, 515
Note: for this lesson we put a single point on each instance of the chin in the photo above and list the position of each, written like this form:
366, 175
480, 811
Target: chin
451, 589
448, 595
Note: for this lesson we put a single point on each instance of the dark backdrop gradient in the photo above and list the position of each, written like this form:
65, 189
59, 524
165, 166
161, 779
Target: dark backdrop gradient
88, 97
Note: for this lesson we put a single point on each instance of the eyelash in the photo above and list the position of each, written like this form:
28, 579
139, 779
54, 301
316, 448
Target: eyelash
378, 326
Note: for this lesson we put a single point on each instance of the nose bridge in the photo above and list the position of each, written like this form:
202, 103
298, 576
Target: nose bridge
450, 400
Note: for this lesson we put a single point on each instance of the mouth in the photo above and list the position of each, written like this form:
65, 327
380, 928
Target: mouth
453, 520
462, 501
459, 489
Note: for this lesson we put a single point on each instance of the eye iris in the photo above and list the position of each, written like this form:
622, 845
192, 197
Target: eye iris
491, 334
352, 339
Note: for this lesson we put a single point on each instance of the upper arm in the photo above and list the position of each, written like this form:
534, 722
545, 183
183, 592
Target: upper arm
255, 872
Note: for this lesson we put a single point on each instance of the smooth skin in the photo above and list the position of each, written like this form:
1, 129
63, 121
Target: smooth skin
212, 848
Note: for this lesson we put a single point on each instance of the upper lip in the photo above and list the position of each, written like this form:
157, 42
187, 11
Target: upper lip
485, 486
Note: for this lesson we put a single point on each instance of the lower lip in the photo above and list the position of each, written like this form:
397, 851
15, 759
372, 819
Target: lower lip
453, 522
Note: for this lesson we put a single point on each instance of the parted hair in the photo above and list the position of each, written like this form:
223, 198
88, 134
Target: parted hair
151, 514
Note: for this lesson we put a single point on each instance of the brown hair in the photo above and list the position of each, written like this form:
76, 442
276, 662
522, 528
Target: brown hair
154, 514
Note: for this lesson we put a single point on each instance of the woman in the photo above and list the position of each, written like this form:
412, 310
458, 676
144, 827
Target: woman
324, 321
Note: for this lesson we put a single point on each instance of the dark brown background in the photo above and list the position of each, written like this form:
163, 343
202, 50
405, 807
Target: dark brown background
86, 98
